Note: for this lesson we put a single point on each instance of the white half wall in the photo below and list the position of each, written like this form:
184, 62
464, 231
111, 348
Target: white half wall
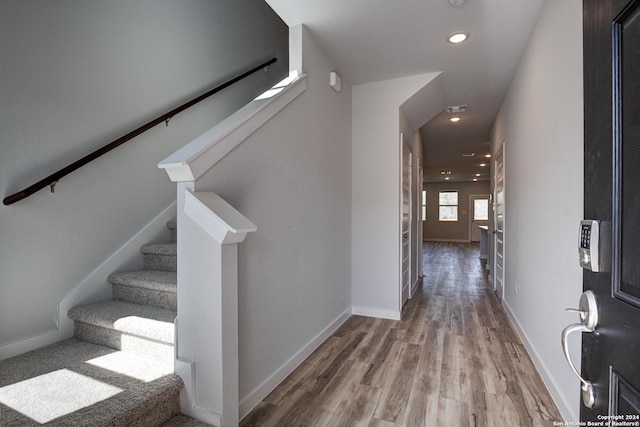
541, 123
375, 217
291, 178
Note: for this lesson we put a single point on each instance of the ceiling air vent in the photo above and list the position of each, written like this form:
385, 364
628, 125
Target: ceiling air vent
468, 154
456, 109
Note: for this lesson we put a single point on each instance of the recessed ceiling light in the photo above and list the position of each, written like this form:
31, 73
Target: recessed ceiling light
487, 155
455, 119
458, 37
483, 164
475, 179
446, 178
477, 174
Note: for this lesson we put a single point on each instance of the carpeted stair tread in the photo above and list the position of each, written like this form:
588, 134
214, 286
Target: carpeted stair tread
50, 358
150, 279
76, 383
166, 249
135, 319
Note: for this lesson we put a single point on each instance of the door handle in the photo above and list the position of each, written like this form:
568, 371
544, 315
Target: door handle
588, 312
588, 393
405, 235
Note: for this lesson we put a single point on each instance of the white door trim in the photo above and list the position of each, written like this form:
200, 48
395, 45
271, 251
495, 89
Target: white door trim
405, 285
499, 274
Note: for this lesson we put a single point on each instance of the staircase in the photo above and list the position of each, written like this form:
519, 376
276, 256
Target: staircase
140, 317
118, 368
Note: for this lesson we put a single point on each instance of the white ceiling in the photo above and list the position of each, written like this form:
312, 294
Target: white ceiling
373, 40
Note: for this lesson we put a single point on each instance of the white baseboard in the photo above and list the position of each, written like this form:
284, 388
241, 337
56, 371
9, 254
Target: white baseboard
375, 312
200, 414
94, 287
564, 407
247, 403
23, 345
185, 369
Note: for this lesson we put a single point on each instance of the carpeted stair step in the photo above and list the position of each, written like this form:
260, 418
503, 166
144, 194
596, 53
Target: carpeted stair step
173, 229
136, 328
153, 403
150, 287
76, 383
160, 256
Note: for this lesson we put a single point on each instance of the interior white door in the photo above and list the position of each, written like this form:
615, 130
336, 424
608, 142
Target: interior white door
479, 206
405, 235
498, 226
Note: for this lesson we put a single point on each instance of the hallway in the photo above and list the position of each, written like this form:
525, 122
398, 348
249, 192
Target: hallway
453, 361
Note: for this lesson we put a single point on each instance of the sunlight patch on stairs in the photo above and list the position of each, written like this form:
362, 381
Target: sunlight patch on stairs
52, 395
132, 366
161, 330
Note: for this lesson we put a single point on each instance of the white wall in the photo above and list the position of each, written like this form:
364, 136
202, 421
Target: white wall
292, 179
541, 123
375, 256
76, 75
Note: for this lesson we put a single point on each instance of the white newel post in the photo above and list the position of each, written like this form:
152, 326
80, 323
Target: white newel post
209, 231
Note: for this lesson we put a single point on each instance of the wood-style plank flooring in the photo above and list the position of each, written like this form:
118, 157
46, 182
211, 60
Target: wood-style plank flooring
453, 360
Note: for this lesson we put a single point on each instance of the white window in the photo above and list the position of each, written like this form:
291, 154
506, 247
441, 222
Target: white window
480, 209
424, 205
448, 201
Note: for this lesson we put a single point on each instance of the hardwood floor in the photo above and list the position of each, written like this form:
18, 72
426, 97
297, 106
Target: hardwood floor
453, 360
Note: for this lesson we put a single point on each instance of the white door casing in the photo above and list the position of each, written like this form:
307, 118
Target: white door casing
498, 226
405, 221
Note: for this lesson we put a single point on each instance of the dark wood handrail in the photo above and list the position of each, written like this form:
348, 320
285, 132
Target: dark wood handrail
52, 179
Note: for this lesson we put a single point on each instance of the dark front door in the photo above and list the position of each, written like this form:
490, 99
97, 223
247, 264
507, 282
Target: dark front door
611, 354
